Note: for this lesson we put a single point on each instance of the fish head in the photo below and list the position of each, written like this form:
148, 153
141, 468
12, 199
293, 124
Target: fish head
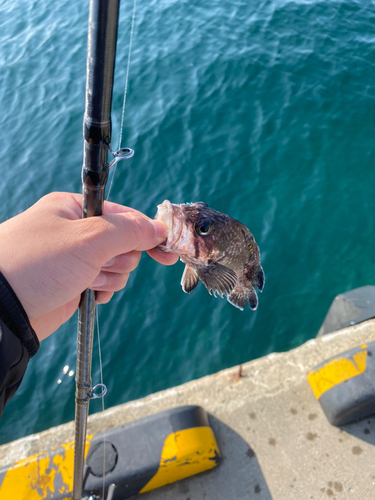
194, 229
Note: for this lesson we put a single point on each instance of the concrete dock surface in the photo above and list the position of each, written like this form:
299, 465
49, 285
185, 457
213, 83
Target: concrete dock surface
275, 440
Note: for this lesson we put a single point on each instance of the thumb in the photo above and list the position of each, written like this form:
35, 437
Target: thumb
123, 232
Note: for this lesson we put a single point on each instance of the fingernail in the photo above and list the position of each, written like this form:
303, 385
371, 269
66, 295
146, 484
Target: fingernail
99, 281
161, 230
110, 262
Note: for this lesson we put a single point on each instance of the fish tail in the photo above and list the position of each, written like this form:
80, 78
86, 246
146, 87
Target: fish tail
242, 296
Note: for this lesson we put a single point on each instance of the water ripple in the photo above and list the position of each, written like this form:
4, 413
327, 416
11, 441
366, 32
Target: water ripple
264, 110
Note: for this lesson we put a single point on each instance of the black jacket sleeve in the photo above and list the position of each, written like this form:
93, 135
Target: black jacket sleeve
18, 342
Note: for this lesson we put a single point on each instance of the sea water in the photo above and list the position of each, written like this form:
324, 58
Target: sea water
264, 110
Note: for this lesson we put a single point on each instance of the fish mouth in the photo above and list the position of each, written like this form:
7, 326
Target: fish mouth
169, 214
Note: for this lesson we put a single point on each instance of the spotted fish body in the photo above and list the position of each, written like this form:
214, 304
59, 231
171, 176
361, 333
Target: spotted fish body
218, 250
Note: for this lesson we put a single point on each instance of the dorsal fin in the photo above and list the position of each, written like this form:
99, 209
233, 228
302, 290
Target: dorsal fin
255, 274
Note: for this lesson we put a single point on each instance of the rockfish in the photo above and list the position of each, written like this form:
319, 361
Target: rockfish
218, 250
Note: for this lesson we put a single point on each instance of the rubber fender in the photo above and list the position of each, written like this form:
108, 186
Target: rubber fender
150, 453
344, 385
137, 457
348, 309
44, 475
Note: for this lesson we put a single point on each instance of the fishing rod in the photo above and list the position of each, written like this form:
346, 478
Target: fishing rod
97, 129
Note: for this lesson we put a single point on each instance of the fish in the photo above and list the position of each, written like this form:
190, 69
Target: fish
216, 249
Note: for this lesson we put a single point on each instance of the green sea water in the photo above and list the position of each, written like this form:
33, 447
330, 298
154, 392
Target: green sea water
264, 110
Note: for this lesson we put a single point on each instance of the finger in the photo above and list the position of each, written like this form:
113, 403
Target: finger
119, 231
69, 205
108, 206
124, 263
110, 282
168, 259
115, 208
103, 297
116, 234
138, 232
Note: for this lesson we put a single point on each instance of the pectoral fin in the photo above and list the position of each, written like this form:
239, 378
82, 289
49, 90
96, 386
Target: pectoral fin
218, 278
189, 279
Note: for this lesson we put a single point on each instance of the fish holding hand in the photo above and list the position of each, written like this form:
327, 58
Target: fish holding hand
218, 250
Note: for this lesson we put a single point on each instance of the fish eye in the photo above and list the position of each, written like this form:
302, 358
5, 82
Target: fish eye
204, 227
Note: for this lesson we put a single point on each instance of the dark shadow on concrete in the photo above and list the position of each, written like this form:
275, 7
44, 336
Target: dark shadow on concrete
237, 477
363, 429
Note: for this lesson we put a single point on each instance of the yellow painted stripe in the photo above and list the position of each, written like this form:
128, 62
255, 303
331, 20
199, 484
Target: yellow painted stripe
336, 371
42, 476
184, 454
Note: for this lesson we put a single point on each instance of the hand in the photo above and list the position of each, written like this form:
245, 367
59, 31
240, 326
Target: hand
50, 255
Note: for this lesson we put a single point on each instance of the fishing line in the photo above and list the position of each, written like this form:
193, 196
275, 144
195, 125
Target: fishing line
127, 72
101, 381
100, 354
125, 91
108, 193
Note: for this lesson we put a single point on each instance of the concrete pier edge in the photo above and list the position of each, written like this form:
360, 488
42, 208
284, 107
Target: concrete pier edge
275, 440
